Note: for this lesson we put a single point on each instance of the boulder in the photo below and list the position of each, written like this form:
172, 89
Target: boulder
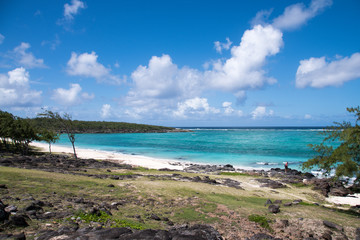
333, 225
273, 208
18, 221
262, 236
357, 234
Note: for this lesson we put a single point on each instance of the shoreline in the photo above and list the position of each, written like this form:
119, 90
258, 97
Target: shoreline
135, 160
155, 163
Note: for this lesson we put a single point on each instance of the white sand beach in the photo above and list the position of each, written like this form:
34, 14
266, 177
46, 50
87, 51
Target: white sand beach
134, 160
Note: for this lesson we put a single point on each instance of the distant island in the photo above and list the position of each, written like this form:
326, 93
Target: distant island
102, 126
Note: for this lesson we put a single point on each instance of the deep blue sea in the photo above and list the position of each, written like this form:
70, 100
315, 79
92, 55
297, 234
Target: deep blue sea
242, 147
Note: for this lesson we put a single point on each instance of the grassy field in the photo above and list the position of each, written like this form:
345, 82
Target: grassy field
174, 202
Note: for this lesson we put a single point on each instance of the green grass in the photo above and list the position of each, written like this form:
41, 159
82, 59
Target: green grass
261, 220
103, 217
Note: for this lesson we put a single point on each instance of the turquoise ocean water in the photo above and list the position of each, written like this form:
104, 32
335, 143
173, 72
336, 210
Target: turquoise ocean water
242, 147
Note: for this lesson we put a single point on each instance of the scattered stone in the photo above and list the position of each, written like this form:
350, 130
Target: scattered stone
268, 202
270, 183
333, 225
357, 233
154, 217
111, 185
288, 204
198, 232
11, 208
327, 235
18, 221
274, 208
3, 186
262, 236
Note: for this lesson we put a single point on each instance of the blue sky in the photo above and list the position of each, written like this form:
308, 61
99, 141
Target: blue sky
182, 63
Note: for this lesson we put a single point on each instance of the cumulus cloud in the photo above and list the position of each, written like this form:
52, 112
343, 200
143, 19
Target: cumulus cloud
86, 65
105, 111
260, 112
229, 110
159, 86
15, 89
220, 46
319, 73
70, 10
1, 38
244, 69
71, 96
298, 14
25, 58
195, 106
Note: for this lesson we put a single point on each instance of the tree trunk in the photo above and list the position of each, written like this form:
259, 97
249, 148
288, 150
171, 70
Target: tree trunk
50, 147
73, 144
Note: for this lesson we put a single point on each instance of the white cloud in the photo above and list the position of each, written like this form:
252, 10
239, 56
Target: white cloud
260, 112
307, 116
319, 73
163, 79
70, 10
105, 111
1, 38
220, 46
244, 69
86, 65
70, 96
296, 15
228, 110
15, 90
261, 17
194, 106
27, 59
159, 86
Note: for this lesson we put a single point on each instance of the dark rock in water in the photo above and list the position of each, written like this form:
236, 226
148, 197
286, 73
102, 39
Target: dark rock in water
274, 208
228, 166
333, 225
18, 221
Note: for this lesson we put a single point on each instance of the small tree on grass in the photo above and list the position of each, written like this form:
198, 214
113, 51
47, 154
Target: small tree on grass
345, 159
65, 122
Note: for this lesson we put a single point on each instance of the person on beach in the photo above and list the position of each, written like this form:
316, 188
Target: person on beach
286, 167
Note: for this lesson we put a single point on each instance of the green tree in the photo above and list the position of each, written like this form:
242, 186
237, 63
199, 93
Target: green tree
49, 136
66, 123
345, 159
6, 123
22, 134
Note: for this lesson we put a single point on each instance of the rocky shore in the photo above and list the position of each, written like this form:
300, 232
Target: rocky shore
51, 217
